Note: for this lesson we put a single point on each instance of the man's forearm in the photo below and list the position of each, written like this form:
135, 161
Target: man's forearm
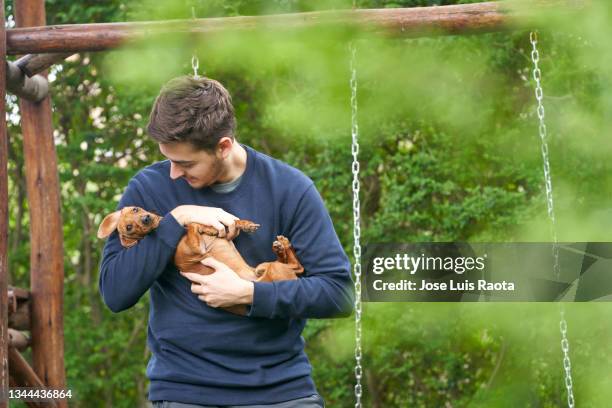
126, 274
217, 218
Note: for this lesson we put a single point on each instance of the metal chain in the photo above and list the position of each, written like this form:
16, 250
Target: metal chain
356, 227
195, 62
537, 76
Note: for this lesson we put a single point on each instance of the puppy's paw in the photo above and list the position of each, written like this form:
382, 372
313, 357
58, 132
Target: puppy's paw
247, 226
281, 248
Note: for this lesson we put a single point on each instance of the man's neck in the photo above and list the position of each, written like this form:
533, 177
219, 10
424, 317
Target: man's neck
235, 164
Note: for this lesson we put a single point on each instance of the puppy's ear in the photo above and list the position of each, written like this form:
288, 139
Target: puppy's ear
109, 224
195, 240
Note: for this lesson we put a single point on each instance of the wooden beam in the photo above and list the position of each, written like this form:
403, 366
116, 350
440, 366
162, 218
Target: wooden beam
4, 336
410, 22
19, 294
46, 234
23, 376
20, 319
19, 309
33, 64
17, 82
18, 340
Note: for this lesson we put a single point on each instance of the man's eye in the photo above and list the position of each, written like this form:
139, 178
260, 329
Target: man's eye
128, 227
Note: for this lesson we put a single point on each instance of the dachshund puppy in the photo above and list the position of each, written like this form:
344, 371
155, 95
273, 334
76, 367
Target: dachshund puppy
132, 224
200, 242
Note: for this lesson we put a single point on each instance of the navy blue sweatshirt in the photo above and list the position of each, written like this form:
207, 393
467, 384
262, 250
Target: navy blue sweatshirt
209, 356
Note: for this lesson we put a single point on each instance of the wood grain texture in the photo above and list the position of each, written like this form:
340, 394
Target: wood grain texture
46, 239
4, 336
409, 22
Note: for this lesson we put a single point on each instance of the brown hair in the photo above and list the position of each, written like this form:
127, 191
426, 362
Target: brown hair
195, 110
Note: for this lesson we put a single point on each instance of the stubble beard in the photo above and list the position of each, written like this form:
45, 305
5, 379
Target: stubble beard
215, 172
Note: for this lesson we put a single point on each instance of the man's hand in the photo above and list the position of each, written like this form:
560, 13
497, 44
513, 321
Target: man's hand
211, 216
223, 288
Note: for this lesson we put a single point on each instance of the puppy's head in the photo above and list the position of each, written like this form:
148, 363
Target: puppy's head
132, 224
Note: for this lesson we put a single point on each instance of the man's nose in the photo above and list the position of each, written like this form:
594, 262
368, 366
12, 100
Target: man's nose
175, 172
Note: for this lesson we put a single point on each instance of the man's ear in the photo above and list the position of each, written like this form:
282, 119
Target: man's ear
127, 242
109, 224
224, 146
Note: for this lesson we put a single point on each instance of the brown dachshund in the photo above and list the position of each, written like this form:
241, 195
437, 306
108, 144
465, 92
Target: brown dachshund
200, 242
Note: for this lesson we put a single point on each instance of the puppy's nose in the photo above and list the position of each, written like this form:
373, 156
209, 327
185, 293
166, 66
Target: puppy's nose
146, 220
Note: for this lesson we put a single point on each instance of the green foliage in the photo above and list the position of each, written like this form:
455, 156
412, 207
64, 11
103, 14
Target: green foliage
449, 152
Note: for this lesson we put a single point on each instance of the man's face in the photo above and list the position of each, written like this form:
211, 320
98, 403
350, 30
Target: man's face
199, 168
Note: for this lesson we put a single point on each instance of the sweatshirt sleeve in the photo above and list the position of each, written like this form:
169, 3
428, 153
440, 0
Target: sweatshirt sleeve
127, 273
326, 288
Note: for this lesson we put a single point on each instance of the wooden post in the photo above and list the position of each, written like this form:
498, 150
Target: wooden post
46, 239
4, 336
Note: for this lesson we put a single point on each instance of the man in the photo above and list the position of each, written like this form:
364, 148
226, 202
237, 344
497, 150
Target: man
202, 355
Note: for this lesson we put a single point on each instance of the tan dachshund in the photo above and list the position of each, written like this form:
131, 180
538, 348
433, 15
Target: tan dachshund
200, 242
